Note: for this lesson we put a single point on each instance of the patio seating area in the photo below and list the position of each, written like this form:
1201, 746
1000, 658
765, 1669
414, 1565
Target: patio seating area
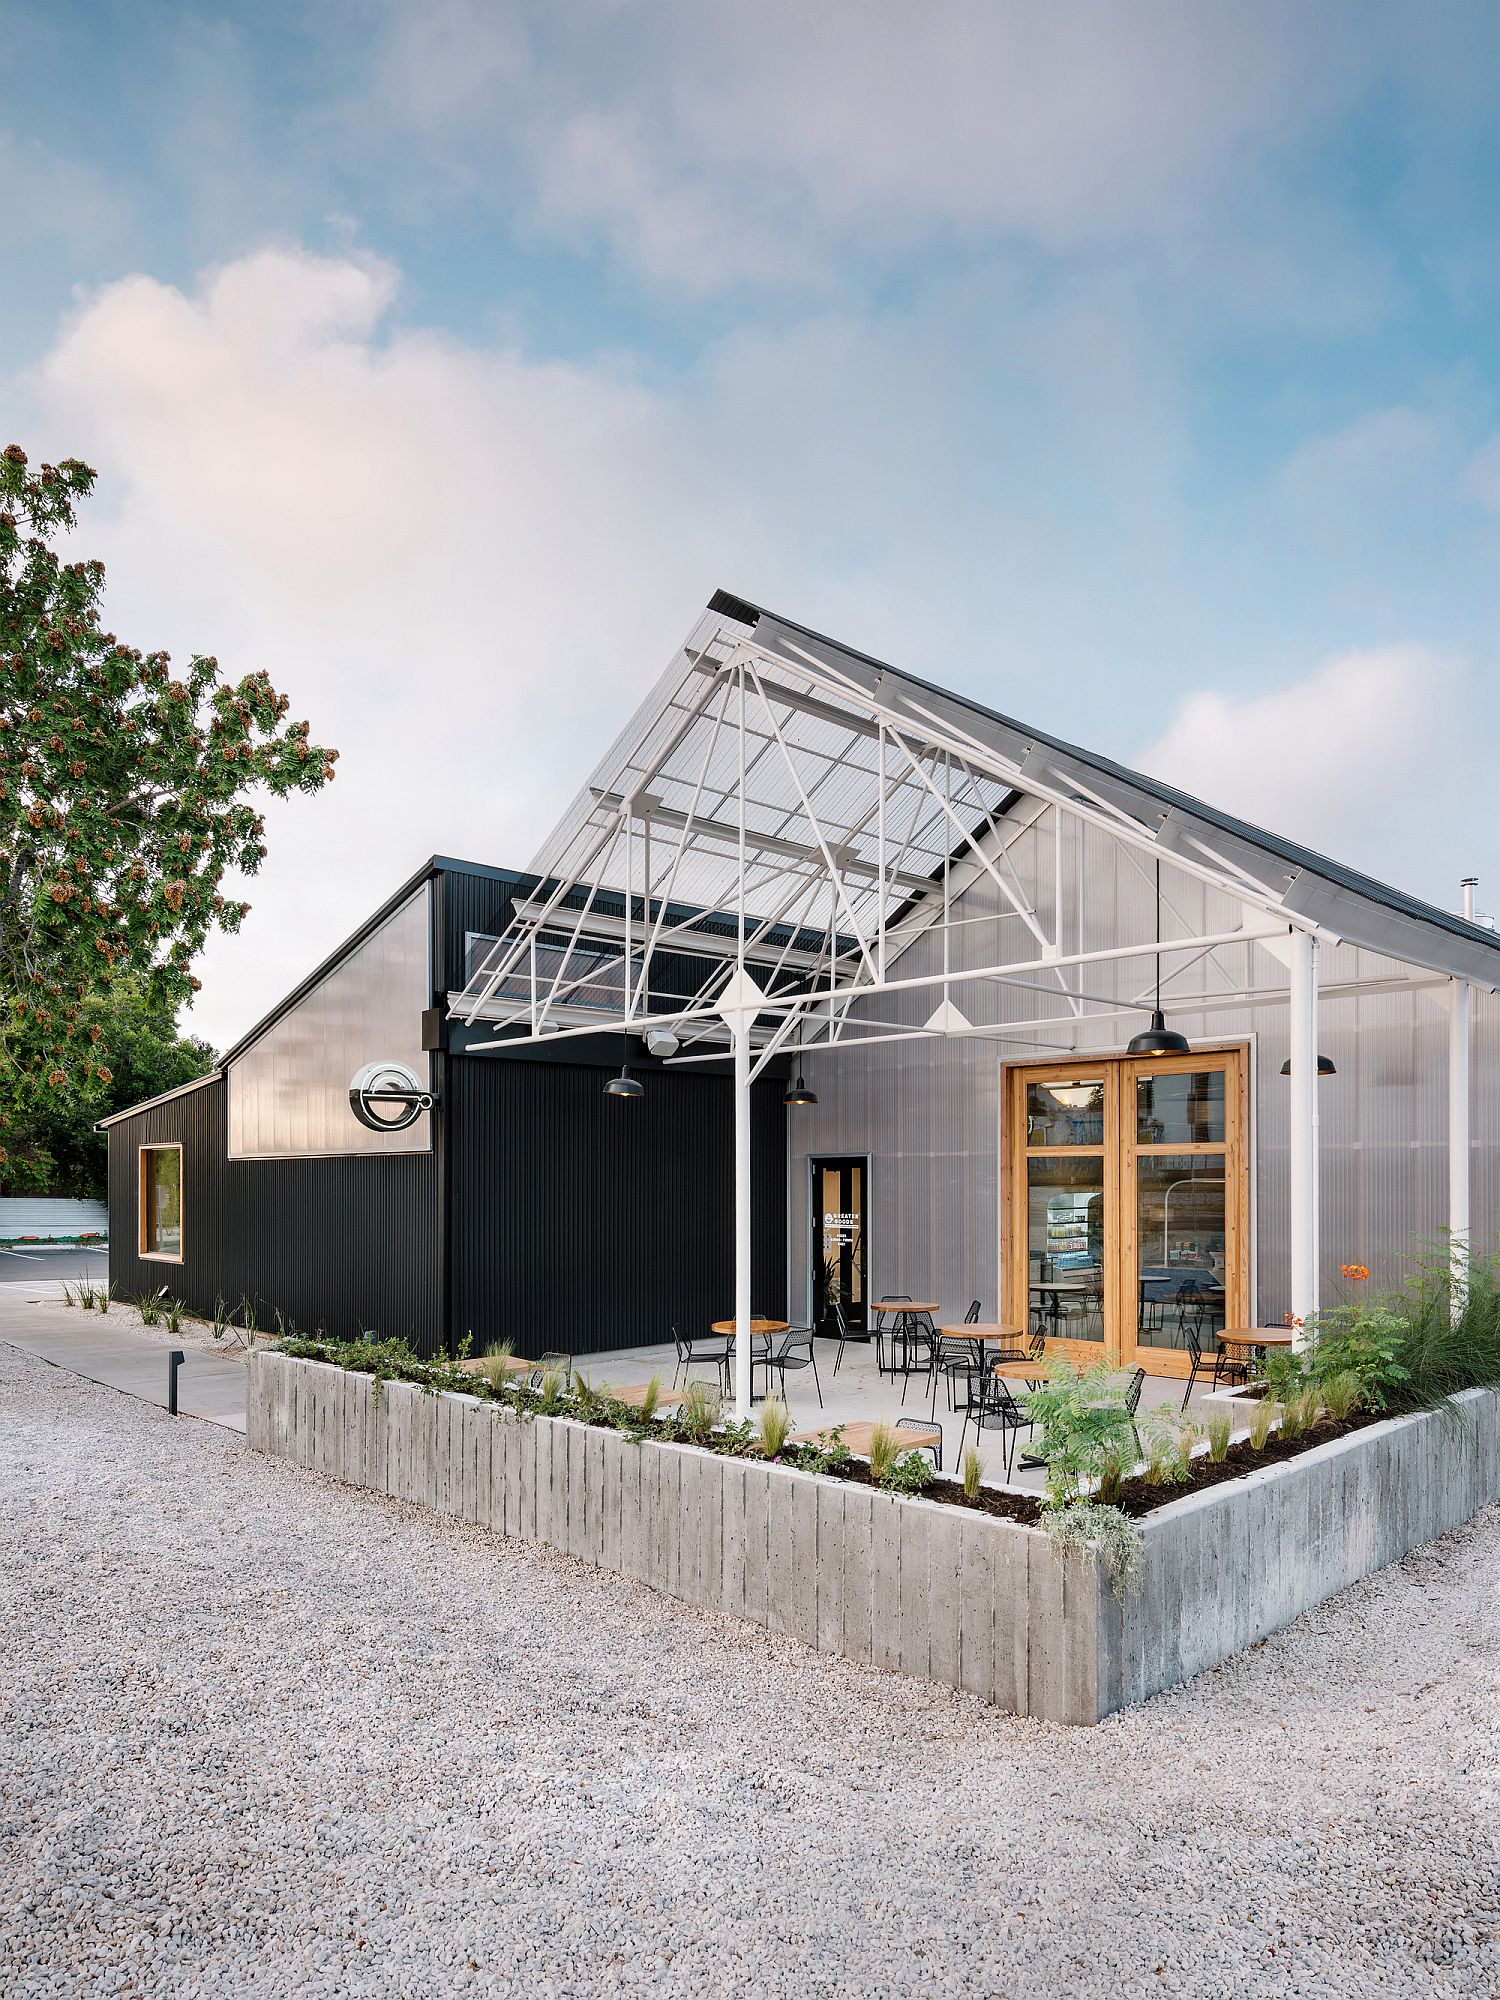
859, 1392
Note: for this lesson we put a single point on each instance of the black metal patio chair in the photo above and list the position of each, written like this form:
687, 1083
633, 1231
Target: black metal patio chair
996, 1410
917, 1424
846, 1333
562, 1362
794, 1349
713, 1353
1226, 1368
952, 1357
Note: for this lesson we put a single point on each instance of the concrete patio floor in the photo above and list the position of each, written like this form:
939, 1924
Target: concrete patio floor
859, 1390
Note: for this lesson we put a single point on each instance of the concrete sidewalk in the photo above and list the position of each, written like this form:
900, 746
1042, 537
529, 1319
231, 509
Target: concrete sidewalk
103, 1348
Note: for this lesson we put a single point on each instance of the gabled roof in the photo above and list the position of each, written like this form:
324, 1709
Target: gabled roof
1339, 900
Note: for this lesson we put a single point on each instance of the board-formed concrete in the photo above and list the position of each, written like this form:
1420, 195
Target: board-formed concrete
929, 1590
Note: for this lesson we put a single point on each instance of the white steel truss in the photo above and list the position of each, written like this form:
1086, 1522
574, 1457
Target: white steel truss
763, 850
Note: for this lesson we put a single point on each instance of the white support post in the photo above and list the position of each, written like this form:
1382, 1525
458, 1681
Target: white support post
742, 1348
1459, 1044
1302, 1176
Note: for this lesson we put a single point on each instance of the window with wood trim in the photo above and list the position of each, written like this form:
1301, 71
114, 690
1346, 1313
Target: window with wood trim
161, 1203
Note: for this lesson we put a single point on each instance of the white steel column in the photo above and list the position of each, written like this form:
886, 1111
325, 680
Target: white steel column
1459, 1041
1302, 1174
742, 1350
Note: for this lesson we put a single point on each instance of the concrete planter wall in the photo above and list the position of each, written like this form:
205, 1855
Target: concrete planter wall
933, 1591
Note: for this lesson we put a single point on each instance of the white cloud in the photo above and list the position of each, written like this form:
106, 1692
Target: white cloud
1359, 760
461, 564
718, 144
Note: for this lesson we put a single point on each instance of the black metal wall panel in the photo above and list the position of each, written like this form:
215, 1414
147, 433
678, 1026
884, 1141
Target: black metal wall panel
343, 1243
582, 1222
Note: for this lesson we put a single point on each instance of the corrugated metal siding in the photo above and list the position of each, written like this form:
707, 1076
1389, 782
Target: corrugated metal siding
581, 1223
345, 1244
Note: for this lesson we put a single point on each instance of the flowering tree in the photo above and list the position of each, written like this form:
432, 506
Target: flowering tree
123, 800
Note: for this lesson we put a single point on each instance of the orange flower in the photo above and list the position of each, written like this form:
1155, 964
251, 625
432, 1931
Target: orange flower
1291, 1319
1358, 1272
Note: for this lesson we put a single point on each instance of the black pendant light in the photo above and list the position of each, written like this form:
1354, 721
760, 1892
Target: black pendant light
623, 1085
1158, 1039
1325, 1066
799, 1093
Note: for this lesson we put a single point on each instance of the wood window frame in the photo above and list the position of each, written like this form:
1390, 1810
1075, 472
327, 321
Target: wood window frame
1120, 1150
141, 1210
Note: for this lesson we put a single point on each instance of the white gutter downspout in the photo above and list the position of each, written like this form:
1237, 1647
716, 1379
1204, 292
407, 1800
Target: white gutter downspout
1460, 1039
1302, 1174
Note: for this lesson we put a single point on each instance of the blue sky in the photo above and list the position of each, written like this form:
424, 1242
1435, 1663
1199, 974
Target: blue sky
1134, 368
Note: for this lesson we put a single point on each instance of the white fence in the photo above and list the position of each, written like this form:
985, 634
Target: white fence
46, 1217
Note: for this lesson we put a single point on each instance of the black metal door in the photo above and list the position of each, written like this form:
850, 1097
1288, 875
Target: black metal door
838, 1240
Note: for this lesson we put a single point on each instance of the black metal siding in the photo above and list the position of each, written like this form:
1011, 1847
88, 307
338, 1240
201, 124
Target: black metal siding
347, 1243
583, 1222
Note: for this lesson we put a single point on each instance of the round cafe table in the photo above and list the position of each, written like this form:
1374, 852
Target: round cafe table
1258, 1336
905, 1328
760, 1344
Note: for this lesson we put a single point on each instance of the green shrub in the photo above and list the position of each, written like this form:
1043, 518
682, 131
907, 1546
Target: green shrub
1111, 1478
825, 1453
1262, 1417
1111, 1538
699, 1412
149, 1306
1081, 1423
1369, 1340
1188, 1437
1219, 1429
775, 1422
908, 1472
971, 1473
1343, 1394
885, 1447
650, 1398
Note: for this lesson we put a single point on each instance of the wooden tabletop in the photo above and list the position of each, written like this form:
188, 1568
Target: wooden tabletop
857, 1437
1073, 1283
906, 1306
983, 1329
482, 1364
1258, 1336
635, 1396
756, 1325
1020, 1371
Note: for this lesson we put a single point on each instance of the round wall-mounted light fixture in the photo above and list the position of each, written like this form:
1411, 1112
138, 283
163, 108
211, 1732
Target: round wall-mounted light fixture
623, 1085
388, 1096
798, 1093
1325, 1066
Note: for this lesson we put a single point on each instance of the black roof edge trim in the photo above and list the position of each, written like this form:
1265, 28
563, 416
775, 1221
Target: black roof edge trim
214, 1075
727, 605
429, 868
1385, 895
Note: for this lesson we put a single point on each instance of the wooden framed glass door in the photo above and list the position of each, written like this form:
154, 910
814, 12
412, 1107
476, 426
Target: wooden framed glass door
1128, 1205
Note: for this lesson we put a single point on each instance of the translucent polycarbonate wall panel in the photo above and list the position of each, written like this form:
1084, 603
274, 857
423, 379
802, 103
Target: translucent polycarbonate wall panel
289, 1091
927, 1111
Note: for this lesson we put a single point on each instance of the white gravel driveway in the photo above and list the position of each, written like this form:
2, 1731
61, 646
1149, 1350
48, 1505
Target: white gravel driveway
260, 1734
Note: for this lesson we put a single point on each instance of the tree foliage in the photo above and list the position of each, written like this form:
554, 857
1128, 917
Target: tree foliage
51, 1144
123, 801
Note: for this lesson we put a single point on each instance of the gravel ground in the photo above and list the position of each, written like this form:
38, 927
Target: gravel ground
263, 1735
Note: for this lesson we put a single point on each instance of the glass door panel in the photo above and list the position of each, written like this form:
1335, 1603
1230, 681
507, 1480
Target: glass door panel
1180, 1108
838, 1245
1182, 1246
1065, 1112
1065, 1223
